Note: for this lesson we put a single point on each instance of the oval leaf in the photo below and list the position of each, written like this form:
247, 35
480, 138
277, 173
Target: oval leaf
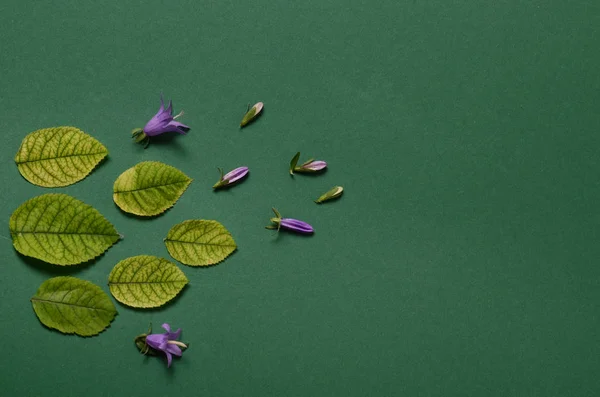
58, 156
149, 188
199, 242
145, 281
61, 230
73, 306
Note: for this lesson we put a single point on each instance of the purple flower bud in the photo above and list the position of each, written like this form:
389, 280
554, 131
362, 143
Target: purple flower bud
296, 225
166, 343
231, 177
311, 165
289, 224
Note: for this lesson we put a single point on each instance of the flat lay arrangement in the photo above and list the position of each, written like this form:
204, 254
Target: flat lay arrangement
61, 230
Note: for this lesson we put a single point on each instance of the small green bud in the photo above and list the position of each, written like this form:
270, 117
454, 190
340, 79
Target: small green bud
251, 114
334, 193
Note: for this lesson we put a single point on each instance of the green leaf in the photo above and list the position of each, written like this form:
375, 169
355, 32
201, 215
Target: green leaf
73, 306
58, 156
251, 114
61, 230
145, 281
199, 242
294, 162
149, 188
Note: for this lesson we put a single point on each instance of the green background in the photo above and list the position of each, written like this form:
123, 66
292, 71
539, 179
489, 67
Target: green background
461, 261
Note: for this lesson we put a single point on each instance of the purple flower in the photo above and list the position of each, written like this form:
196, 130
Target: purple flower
290, 224
166, 343
163, 121
231, 177
311, 165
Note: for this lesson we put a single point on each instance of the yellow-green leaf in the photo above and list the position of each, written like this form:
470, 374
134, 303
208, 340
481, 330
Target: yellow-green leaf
199, 242
145, 281
58, 156
73, 306
60, 229
149, 188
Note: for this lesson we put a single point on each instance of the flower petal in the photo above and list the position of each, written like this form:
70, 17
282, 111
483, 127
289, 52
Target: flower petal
236, 174
170, 335
157, 125
157, 341
174, 335
316, 165
176, 126
296, 225
169, 359
174, 349
162, 104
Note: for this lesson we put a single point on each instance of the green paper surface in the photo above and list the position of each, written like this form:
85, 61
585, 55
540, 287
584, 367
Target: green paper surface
462, 259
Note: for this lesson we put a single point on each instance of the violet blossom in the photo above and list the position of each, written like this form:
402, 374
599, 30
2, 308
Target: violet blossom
163, 121
166, 343
311, 165
290, 224
231, 177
